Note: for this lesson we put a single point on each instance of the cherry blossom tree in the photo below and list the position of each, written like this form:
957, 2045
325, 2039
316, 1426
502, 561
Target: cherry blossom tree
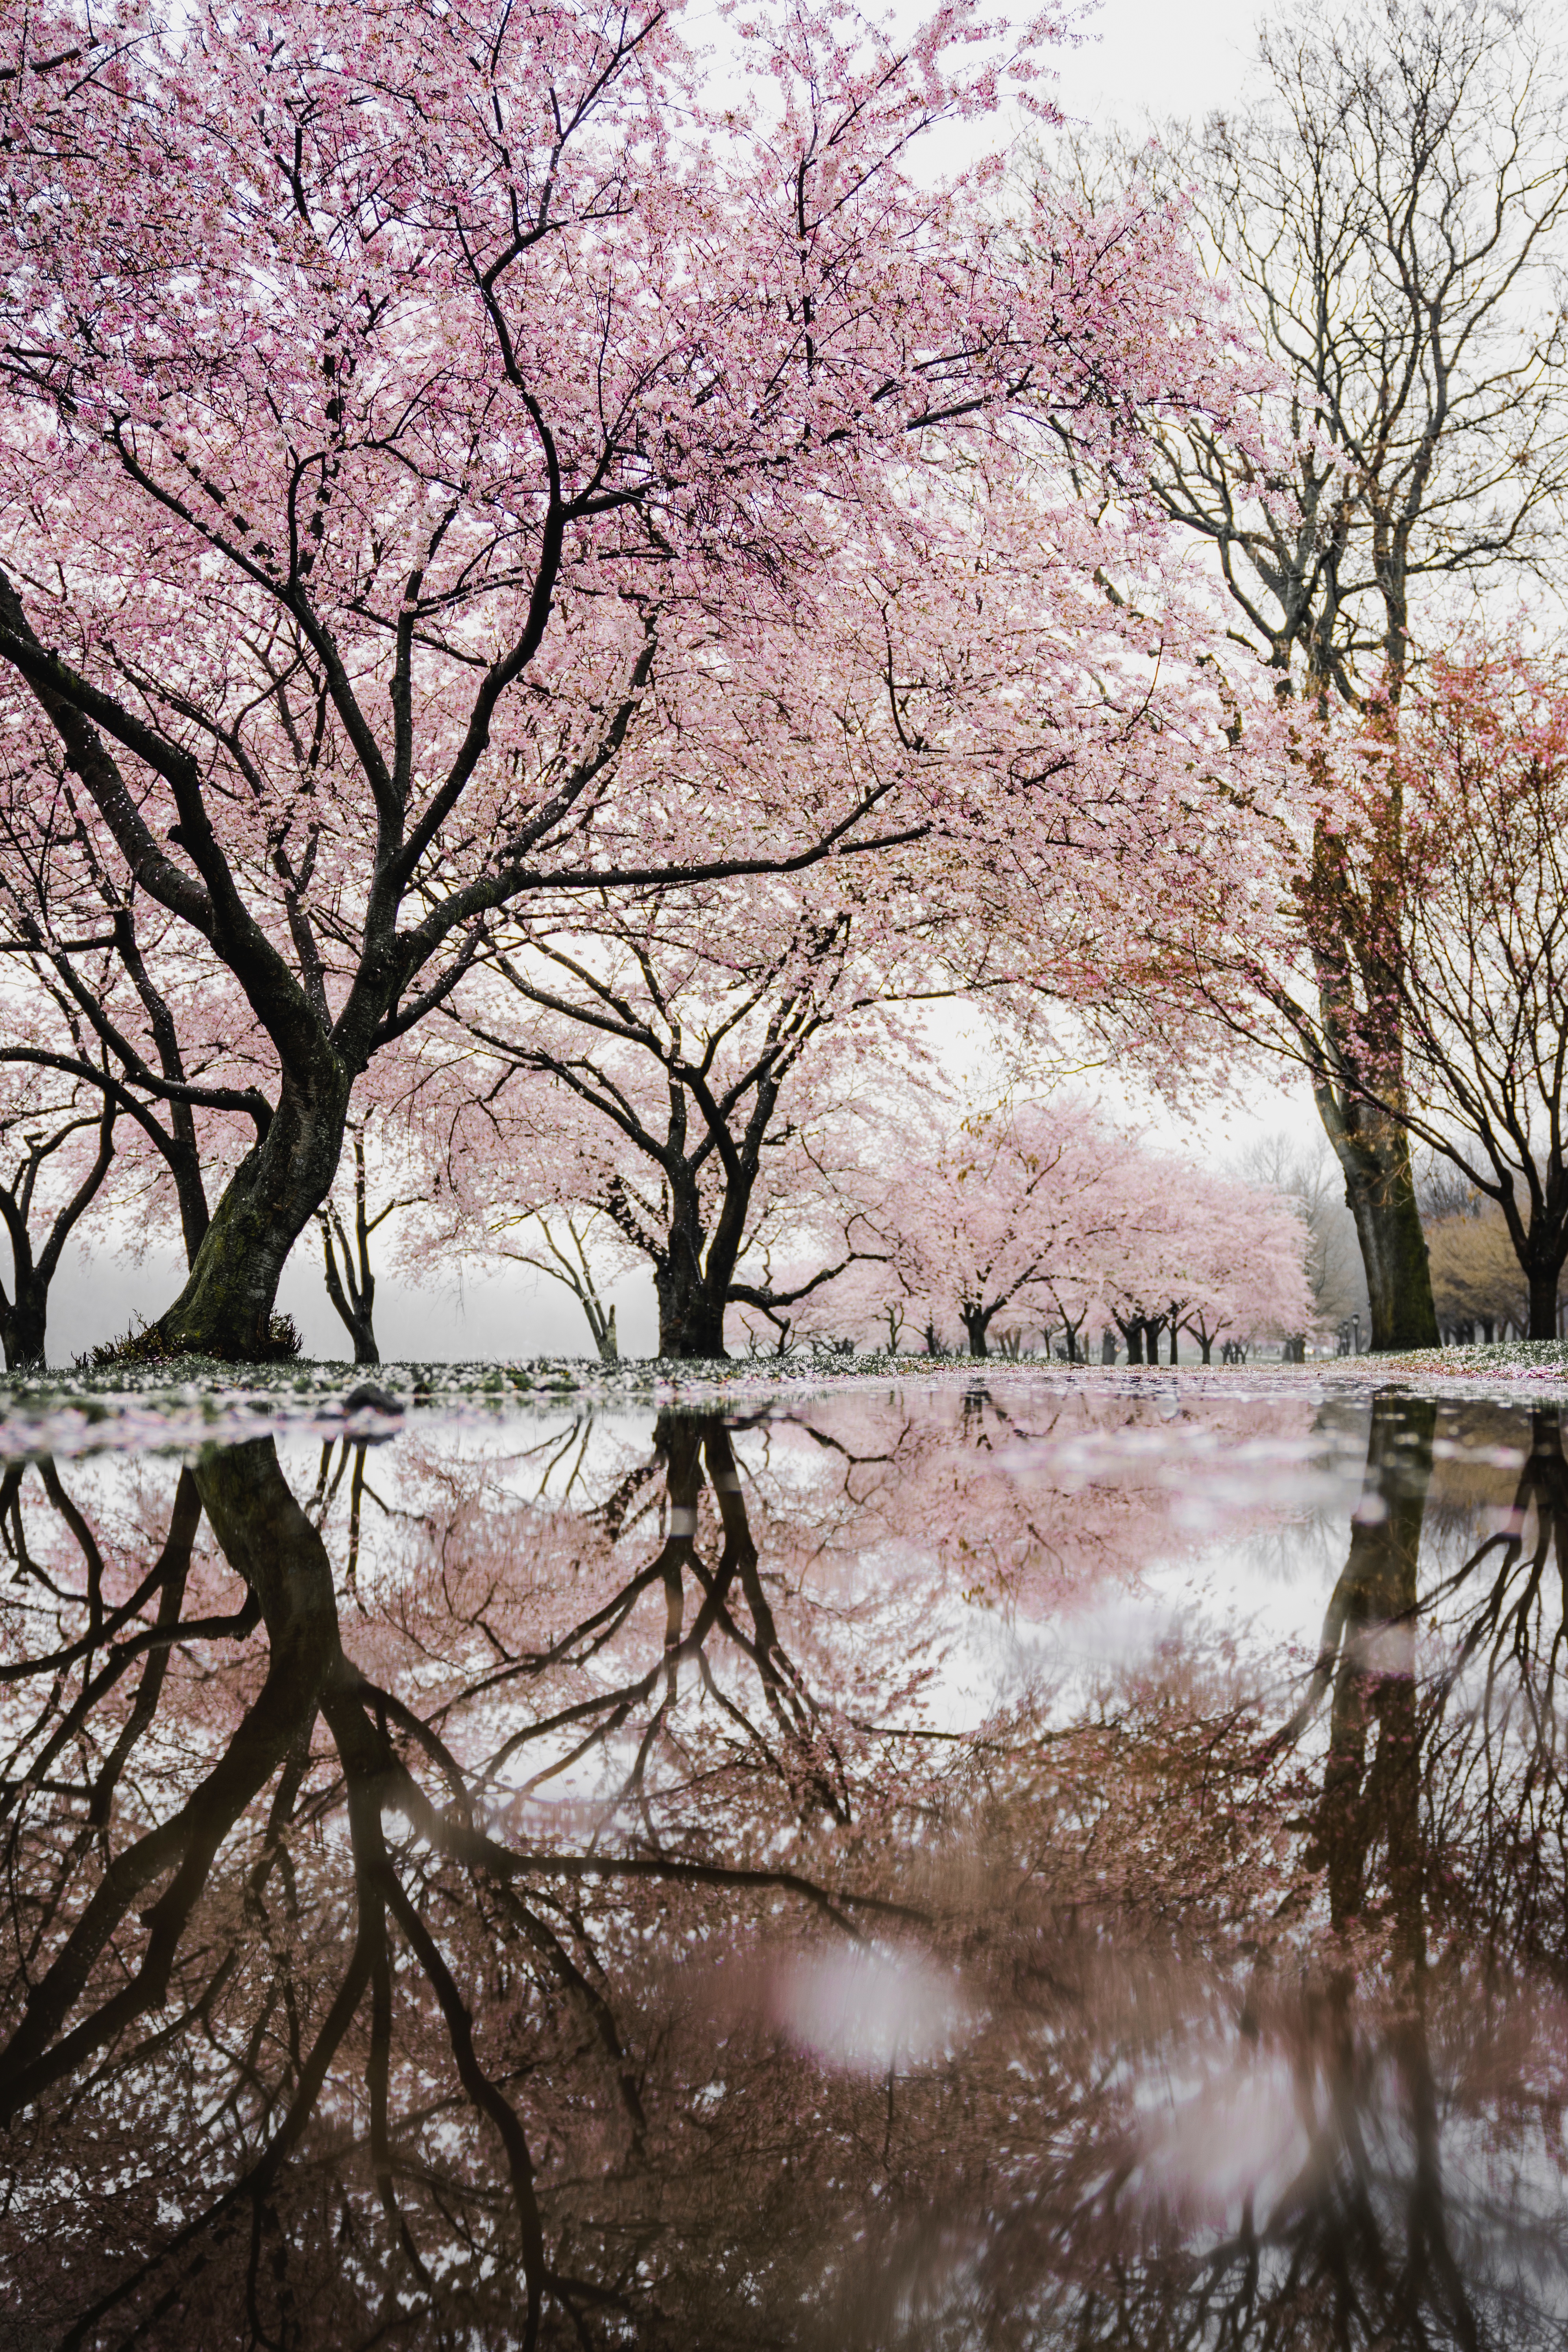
1242, 1266
345, 1242
712, 1051
430, 400
679, 1131
1013, 1206
102, 992
1043, 1208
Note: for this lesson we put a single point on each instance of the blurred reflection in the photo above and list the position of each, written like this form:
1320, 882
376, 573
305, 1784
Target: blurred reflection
604, 1913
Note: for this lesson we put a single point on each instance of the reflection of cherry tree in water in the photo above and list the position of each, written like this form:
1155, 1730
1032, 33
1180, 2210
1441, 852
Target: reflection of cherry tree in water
794, 1742
191, 1963
449, 1993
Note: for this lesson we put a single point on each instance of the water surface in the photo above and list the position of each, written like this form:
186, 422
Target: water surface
1025, 1865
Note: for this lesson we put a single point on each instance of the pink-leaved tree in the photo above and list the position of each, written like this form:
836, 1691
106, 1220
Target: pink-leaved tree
406, 412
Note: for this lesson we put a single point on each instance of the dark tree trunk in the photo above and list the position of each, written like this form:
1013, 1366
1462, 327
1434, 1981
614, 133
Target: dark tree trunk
691, 1314
976, 1322
195, 1217
225, 1307
362, 1331
691, 1281
1373, 1151
23, 1321
23, 1316
1542, 1303
352, 1289
1133, 1335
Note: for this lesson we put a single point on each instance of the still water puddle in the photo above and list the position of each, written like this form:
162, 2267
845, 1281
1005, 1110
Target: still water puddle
1020, 1867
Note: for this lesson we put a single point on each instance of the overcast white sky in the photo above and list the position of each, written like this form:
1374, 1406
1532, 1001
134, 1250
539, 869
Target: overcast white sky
1139, 57
1133, 61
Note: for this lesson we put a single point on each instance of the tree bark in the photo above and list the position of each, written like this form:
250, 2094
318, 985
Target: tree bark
603, 1331
1542, 1303
353, 1289
24, 1322
690, 1316
23, 1316
1373, 1151
225, 1307
977, 1319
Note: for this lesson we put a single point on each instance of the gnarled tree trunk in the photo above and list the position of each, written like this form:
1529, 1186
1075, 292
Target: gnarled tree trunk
690, 1316
226, 1306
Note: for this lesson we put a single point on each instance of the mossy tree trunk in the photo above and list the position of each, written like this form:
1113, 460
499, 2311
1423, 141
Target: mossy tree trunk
1374, 1152
226, 1306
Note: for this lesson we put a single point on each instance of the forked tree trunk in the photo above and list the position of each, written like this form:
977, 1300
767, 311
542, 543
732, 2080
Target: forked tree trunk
360, 1325
352, 1287
25, 1315
226, 1307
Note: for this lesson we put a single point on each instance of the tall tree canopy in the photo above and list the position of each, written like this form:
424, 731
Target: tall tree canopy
407, 412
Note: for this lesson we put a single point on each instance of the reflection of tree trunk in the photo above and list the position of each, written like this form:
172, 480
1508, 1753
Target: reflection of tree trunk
93, 1989
269, 1541
1368, 1646
1369, 1651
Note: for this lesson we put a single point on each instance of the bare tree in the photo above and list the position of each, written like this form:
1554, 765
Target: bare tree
1390, 211
563, 1253
352, 1287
